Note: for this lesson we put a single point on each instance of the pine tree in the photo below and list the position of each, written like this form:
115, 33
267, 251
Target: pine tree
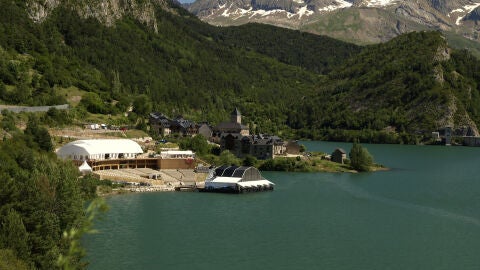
13, 234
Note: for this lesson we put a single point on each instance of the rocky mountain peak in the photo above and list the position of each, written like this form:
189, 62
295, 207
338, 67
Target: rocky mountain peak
106, 11
39, 10
364, 21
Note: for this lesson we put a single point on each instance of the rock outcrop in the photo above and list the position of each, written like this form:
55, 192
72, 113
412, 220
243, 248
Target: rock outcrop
106, 11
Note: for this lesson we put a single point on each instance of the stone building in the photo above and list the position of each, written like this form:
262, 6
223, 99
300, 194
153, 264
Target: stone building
234, 126
160, 124
339, 155
260, 146
164, 126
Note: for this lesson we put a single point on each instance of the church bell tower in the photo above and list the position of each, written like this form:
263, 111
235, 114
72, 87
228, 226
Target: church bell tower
236, 116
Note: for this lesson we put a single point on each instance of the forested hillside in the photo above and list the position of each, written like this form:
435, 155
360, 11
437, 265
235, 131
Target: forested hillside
315, 53
406, 87
181, 70
285, 82
41, 200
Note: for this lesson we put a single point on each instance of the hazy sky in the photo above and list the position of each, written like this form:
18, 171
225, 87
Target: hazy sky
186, 1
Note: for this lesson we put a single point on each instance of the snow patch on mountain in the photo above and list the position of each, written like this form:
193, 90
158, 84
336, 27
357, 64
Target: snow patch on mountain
380, 3
339, 4
304, 11
466, 9
236, 13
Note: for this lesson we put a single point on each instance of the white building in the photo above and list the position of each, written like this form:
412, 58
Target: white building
100, 149
177, 154
236, 179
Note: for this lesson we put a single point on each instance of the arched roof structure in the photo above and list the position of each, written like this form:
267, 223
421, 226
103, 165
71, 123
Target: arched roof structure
242, 172
99, 148
235, 178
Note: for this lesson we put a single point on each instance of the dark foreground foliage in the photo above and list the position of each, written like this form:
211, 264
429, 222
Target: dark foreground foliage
41, 197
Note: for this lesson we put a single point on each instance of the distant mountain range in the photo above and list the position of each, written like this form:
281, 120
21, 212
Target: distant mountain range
360, 21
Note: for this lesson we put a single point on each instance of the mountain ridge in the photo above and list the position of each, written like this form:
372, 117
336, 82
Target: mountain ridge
449, 16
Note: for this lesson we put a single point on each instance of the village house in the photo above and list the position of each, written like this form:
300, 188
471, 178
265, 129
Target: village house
183, 127
339, 155
164, 126
159, 124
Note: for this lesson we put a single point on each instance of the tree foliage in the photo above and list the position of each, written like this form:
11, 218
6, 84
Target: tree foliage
227, 158
360, 158
8, 260
40, 198
197, 144
38, 133
285, 165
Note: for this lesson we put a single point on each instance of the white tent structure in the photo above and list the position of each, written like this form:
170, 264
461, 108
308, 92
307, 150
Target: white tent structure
100, 149
85, 168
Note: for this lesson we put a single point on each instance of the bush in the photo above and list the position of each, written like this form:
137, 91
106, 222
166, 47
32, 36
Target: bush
197, 144
250, 160
360, 158
227, 158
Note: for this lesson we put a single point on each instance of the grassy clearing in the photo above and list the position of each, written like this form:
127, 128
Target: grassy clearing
72, 94
319, 165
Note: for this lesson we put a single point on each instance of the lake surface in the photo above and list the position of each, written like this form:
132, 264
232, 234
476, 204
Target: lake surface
423, 214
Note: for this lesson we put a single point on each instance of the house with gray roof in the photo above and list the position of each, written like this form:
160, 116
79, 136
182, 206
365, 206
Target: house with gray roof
164, 126
183, 127
160, 124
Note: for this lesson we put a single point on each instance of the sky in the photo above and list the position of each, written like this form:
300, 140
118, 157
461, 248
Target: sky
186, 1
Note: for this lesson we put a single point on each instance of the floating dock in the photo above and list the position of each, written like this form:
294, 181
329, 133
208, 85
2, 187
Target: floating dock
236, 179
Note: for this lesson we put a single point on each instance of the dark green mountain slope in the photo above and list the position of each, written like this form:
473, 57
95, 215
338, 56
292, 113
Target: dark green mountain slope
411, 85
182, 70
313, 52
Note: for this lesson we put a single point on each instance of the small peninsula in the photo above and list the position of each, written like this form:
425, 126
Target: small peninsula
360, 161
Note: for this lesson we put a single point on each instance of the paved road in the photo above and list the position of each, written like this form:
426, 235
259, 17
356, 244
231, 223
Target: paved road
18, 109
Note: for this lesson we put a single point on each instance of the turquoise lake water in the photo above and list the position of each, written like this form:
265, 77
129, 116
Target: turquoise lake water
422, 214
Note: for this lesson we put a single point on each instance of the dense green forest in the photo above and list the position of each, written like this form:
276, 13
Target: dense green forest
407, 85
182, 71
319, 54
285, 82
41, 201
